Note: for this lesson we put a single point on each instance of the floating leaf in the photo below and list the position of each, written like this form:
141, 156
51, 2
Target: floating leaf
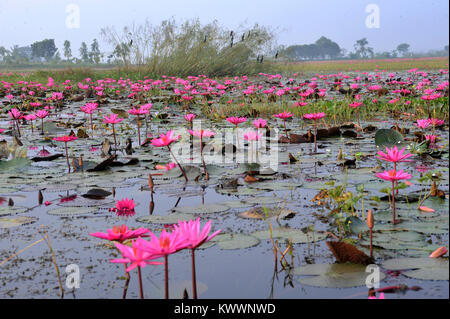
202, 209
423, 268
334, 275
7, 222
235, 241
387, 138
72, 211
167, 219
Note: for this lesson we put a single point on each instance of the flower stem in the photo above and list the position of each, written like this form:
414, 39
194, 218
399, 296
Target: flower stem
315, 136
67, 156
181, 168
115, 141
141, 291
203, 158
139, 130
166, 273
393, 203
125, 289
194, 279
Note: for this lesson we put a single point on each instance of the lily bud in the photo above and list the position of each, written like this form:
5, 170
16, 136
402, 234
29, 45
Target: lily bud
441, 251
370, 219
150, 182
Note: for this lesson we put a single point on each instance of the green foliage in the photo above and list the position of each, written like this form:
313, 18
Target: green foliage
44, 49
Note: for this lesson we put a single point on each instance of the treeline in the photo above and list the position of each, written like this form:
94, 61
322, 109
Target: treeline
325, 48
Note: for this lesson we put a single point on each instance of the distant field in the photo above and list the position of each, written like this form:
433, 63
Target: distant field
62, 73
366, 65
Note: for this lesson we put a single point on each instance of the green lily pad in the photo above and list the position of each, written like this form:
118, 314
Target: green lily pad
14, 164
334, 275
275, 186
387, 138
264, 200
355, 225
296, 235
72, 211
167, 219
8, 210
235, 241
202, 209
421, 268
8, 222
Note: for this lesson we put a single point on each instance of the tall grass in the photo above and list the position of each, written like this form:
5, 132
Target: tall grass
191, 48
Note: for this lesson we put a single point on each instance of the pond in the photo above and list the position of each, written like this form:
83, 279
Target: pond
309, 197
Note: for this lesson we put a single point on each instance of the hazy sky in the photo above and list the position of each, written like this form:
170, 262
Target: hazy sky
422, 24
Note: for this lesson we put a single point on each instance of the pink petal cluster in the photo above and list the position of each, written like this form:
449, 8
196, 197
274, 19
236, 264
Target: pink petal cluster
394, 155
165, 139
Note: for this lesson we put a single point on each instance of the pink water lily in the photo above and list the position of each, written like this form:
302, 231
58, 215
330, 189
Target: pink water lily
284, 115
42, 114
259, 123
167, 244
137, 257
202, 134
393, 176
166, 140
194, 237
315, 117
125, 207
113, 119
166, 167
394, 155
66, 139
236, 120
189, 117
121, 233
15, 114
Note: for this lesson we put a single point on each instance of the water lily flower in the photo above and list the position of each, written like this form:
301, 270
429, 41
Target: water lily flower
422, 124
189, 117
194, 238
166, 140
113, 119
284, 115
166, 167
202, 134
121, 233
236, 120
125, 207
315, 117
66, 139
259, 123
393, 176
394, 155
167, 244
